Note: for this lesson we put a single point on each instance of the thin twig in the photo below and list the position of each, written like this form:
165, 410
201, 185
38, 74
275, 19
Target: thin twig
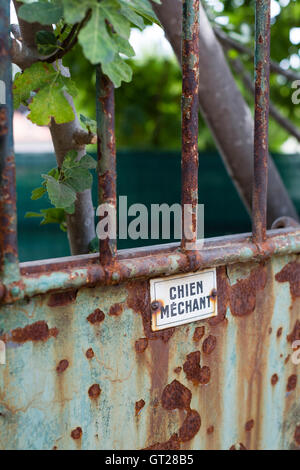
274, 66
285, 123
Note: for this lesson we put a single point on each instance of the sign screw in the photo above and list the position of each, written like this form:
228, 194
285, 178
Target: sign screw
214, 293
155, 305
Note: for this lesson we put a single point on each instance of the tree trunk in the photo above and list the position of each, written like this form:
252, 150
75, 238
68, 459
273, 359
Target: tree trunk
226, 112
81, 228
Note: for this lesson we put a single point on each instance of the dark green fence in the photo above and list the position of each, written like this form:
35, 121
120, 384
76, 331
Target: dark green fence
144, 177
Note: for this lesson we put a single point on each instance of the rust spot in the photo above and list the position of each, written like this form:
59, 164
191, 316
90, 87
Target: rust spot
274, 379
62, 366
176, 396
209, 344
287, 359
194, 371
249, 425
38, 331
172, 444
241, 447
210, 429
139, 405
270, 330
222, 282
295, 334
297, 435
291, 273
279, 332
241, 296
139, 300
94, 391
96, 317
243, 292
199, 333
177, 370
116, 310
90, 353
62, 298
76, 433
141, 345
292, 383
190, 426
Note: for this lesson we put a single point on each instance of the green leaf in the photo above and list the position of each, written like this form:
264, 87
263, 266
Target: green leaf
49, 100
70, 209
94, 245
50, 216
131, 15
75, 10
117, 71
41, 12
70, 160
90, 124
96, 43
143, 8
111, 12
38, 193
60, 195
33, 214
88, 162
46, 42
123, 46
78, 178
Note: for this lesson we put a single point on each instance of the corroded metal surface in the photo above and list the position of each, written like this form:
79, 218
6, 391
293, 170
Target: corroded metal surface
8, 218
73, 273
107, 183
190, 109
84, 370
261, 119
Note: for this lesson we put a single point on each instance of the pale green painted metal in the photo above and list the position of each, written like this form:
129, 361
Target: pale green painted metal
39, 407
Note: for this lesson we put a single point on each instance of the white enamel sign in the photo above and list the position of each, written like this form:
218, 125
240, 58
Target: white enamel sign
181, 299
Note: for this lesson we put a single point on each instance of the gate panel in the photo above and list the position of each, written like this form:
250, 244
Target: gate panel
84, 370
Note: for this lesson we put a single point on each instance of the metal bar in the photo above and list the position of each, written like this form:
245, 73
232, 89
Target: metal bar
61, 275
9, 267
107, 185
262, 92
190, 106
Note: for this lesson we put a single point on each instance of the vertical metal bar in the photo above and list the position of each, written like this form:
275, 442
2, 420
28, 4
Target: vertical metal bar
262, 91
9, 265
107, 184
190, 107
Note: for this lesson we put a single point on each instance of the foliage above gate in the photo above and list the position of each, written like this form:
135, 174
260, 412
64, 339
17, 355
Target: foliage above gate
102, 28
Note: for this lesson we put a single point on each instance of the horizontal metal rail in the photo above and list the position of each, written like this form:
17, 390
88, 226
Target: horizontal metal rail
74, 272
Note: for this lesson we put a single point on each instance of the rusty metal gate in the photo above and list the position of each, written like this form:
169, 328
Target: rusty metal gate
84, 370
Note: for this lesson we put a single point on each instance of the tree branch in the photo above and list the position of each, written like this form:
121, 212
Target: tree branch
285, 123
274, 66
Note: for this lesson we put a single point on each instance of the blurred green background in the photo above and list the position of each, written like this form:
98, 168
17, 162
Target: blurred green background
148, 129
145, 177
